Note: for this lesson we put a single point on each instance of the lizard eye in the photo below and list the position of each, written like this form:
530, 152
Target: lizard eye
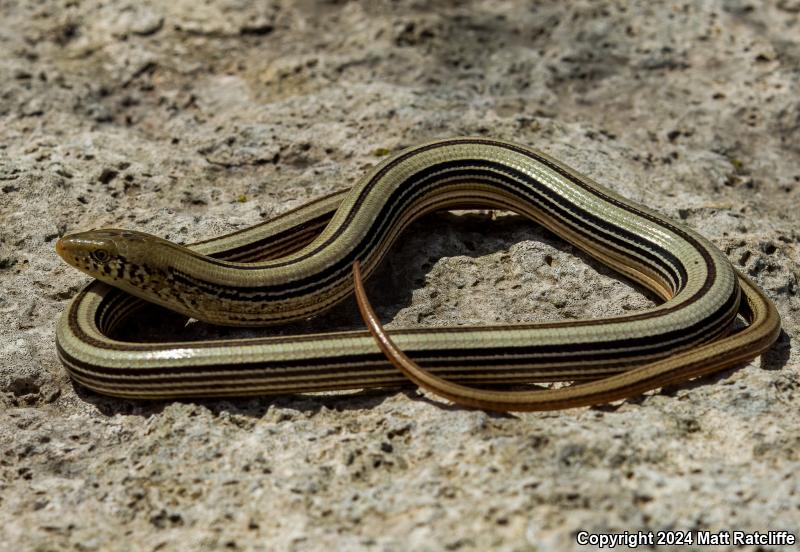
100, 255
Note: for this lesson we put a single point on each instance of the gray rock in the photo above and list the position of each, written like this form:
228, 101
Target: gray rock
189, 119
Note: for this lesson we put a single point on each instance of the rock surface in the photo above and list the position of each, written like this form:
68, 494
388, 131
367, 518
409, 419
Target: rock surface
189, 119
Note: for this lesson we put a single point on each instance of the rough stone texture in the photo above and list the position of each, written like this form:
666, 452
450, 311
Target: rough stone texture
190, 119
